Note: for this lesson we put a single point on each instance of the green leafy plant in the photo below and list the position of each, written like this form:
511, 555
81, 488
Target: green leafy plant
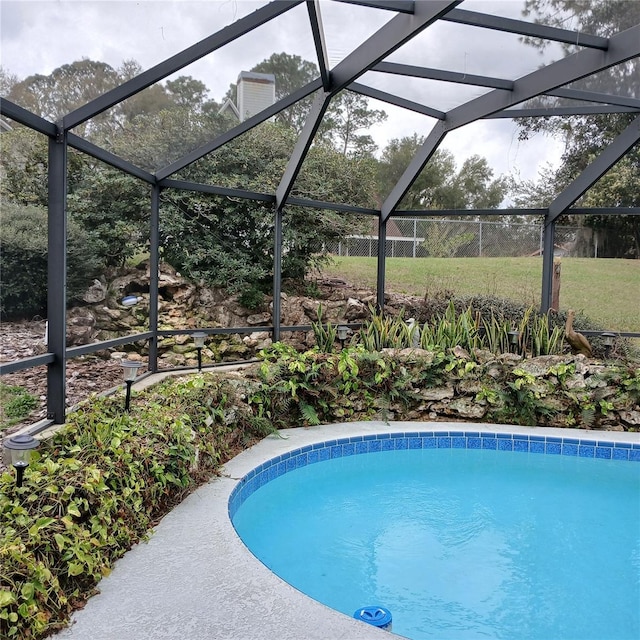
16, 403
23, 261
251, 297
325, 334
95, 488
383, 331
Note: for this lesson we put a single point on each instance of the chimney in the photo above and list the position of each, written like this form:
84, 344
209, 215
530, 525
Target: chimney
256, 91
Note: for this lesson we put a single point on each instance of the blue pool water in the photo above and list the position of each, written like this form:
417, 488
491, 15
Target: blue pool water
460, 544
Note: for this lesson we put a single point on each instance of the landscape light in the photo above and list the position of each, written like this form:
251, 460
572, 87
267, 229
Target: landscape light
20, 448
608, 339
343, 332
514, 336
198, 338
130, 372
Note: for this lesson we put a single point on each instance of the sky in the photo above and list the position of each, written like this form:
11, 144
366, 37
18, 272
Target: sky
36, 36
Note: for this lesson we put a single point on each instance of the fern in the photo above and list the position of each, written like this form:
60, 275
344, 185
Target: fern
588, 416
309, 414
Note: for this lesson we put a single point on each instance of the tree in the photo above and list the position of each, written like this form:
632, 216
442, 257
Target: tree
154, 140
586, 136
187, 92
347, 115
291, 73
114, 210
220, 240
65, 88
7, 81
229, 241
440, 185
23, 261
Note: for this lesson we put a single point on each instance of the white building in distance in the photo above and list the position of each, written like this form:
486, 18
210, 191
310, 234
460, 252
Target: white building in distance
255, 92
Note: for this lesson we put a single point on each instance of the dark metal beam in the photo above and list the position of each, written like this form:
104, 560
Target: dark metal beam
498, 83
333, 206
578, 211
83, 350
623, 47
390, 37
238, 130
559, 111
605, 160
416, 165
522, 28
548, 243
57, 278
428, 73
383, 42
592, 96
277, 273
315, 18
108, 158
217, 191
154, 277
389, 98
417, 213
178, 61
381, 264
399, 6
299, 153
475, 19
604, 211
11, 110
26, 363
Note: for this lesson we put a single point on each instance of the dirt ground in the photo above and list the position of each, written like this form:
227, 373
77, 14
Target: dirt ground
85, 375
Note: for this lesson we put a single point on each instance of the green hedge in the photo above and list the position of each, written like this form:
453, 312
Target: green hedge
23, 261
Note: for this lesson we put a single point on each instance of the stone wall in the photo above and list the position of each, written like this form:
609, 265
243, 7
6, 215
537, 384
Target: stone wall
185, 306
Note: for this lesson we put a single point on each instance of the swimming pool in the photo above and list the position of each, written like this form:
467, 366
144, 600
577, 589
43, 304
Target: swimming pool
451, 549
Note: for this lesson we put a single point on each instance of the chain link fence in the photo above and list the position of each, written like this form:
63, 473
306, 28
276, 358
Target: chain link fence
442, 238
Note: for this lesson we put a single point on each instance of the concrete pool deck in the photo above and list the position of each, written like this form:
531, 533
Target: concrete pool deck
195, 580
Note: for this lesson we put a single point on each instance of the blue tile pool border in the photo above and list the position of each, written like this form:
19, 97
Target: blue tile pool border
373, 443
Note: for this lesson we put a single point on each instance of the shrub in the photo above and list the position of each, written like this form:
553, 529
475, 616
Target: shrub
97, 486
23, 261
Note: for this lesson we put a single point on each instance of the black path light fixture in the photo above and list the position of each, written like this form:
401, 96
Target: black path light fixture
20, 447
343, 332
514, 337
130, 368
198, 339
608, 340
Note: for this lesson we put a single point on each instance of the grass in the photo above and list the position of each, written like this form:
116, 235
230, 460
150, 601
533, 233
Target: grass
605, 290
15, 404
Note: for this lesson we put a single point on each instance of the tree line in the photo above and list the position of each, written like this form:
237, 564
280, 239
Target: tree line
224, 241
220, 241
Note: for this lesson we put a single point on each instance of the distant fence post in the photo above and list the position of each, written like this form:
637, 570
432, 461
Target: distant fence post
480, 241
541, 239
555, 287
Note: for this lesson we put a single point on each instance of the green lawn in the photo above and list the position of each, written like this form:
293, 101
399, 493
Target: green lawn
606, 290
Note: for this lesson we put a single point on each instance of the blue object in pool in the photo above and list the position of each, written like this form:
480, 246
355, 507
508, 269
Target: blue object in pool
376, 616
462, 544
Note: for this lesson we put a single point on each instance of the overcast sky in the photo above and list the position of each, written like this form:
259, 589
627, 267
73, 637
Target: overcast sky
38, 36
